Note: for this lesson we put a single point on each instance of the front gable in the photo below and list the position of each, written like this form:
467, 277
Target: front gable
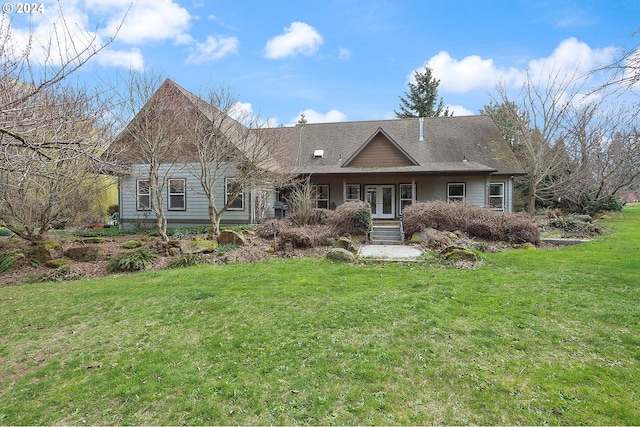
380, 150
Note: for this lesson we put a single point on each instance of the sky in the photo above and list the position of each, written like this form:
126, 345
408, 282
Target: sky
340, 60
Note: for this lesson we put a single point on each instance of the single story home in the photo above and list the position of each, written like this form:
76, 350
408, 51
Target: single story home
388, 163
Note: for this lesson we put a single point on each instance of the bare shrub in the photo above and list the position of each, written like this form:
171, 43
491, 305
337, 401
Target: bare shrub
270, 228
476, 221
353, 218
522, 228
310, 236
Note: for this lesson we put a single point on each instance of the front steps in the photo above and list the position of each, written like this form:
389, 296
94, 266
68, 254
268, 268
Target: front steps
386, 233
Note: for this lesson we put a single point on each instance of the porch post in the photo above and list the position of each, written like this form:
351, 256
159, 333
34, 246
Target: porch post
344, 190
413, 191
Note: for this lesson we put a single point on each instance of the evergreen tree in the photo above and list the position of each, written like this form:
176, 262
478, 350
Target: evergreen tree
420, 100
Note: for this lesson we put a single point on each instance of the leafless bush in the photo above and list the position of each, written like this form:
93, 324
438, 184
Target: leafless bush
522, 228
310, 236
474, 220
270, 228
352, 218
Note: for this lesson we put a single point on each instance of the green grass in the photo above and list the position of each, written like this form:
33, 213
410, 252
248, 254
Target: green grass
531, 337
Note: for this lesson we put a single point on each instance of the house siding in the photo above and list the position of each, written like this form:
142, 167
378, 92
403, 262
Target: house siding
196, 203
429, 187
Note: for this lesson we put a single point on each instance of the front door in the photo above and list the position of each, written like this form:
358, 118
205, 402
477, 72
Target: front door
382, 200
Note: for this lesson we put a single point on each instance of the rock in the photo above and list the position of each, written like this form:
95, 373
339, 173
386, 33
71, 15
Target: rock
46, 251
346, 243
229, 237
584, 218
198, 246
456, 253
56, 263
340, 254
84, 253
132, 244
327, 241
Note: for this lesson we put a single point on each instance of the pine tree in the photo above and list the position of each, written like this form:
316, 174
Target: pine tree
420, 100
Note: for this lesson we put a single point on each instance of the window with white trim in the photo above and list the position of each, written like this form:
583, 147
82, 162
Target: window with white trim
406, 195
321, 195
177, 188
456, 191
496, 195
143, 195
231, 185
353, 192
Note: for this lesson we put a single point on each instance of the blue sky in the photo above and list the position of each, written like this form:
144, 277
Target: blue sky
338, 60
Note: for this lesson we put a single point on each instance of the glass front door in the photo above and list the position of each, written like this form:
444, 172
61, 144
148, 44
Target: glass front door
382, 201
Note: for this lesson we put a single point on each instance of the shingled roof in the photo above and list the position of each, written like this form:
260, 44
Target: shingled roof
465, 144
462, 144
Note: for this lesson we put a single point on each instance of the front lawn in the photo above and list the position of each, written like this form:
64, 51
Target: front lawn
545, 336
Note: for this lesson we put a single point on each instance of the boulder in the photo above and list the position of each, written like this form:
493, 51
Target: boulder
229, 237
346, 243
84, 253
456, 253
340, 254
198, 246
584, 218
46, 251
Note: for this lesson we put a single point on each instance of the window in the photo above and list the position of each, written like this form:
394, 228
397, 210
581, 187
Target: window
231, 185
496, 195
143, 194
321, 195
353, 192
177, 194
406, 195
455, 191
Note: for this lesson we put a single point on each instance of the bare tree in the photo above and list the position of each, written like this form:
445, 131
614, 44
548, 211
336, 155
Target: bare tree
536, 121
236, 153
603, 142
150, 111
51, 133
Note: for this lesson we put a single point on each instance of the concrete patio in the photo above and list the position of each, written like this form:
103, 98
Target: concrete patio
390, 252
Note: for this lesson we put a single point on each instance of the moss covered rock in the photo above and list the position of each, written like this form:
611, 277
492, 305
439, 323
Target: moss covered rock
48, 250
457, 254
198, 246
340, 254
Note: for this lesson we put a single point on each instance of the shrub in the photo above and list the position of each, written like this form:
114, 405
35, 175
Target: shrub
476, 221
133, 261
8, 259
306, 237
315, 216
5, 232
352, 218
185, 261
270, 228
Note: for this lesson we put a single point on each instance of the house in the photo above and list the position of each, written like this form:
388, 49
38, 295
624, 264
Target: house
388, 163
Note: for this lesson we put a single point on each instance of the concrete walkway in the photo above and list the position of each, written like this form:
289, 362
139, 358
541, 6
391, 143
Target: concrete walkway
390, 252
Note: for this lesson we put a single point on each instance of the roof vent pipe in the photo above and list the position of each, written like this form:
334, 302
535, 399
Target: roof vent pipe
421, 129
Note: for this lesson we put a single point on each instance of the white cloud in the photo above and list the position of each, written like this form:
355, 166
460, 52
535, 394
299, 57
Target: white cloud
131, 59
241, 111
298, 38
313, 116
212, 49
145, 21
475, 73
467, 74
570, 57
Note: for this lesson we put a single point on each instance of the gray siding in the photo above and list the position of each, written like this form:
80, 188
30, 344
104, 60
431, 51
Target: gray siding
196, 211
